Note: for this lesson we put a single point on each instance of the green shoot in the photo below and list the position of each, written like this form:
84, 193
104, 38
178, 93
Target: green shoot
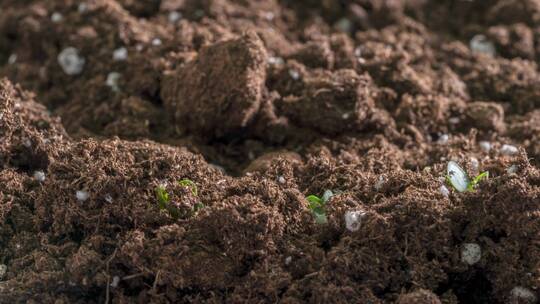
198, 206
475, 181
189, 183
317, 204
163, 197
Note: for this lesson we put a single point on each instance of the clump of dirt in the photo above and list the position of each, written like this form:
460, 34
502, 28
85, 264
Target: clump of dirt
168, 155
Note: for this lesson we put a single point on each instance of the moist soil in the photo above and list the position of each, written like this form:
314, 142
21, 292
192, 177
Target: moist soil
260, 104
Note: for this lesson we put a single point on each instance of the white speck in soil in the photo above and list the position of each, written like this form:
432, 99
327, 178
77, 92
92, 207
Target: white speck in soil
288, 260
346, 115
485, 146
70, 61
509, 150
273, 60
12, 59
443, 139
156, 42
327, 195
83, 7
120, 54
344, 25
108, 198
512, 169
444, 191
475, 164
56, 17
174, 17
112, 81
481, 44
471, 253
453, 120
294, 74
139, 47
379, 183
39, 176
27, 143
523, 293
358, 51
353, 220
82, 195
3, 271
115, 281
281, 180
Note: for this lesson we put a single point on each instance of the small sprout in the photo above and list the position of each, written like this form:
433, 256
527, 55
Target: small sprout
480, 44
459, 180
523, 293
189, 183
471, 253
162, 197
353, 219
485, 146
174, 16
56, 17
3, 271
82, 195
70, 61
112, 81
509, 150
39, 176
317, 204
120, 54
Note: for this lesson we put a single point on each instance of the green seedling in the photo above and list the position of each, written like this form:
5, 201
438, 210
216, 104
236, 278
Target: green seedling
189, 183
459, 180
317, 206
164, 202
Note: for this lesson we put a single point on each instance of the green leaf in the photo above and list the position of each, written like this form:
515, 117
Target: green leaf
198, 206
163, 197
477, 180
189, 183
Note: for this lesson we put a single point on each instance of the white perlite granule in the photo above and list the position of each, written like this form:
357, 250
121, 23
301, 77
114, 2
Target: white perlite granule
523, 293
480, 44
39, 176
353, 220
115, 281
379, 183
281, 180
112, 81
508, 150
294, 74
56, 17
12, 59
82, 195
444, 191
174, 17
156, 42
485, 146
471, 253
3, 271
70, 61
120, 54
443, 139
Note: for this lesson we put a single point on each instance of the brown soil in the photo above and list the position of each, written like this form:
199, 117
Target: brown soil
260, 104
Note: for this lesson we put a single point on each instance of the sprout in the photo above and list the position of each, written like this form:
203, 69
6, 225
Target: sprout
120, 54
39, 176
162, 197
317, 204
82, 195
70, 61
189, 183
459, 180
471, 253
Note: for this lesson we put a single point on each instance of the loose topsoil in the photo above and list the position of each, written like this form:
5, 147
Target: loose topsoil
260, 104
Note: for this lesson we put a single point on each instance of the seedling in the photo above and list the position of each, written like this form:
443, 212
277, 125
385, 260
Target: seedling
317, 205
164, 202
459, 180
189, 183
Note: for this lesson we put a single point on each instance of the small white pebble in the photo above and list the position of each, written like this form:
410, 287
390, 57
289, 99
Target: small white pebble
294, 74
358, 51
3, 271
471, 253
120, 54
156, 42
251, 155
108, 198
12, 59
281, 180
485, 146
83, 7
174, 16
39, 176
288, 260
512, 169
273, 60
82, 195
480, 44
70, 61
444, 191
453, 120
139, 47
475, 164
523, 293
115, 281
346, 115
269, 16
344, 25
27, 143
1, 116
443, 139
56, 17
353, 220
112, 81
508, 150
379, 183
327, 195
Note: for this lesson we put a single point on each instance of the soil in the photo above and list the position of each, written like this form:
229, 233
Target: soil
260, 104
